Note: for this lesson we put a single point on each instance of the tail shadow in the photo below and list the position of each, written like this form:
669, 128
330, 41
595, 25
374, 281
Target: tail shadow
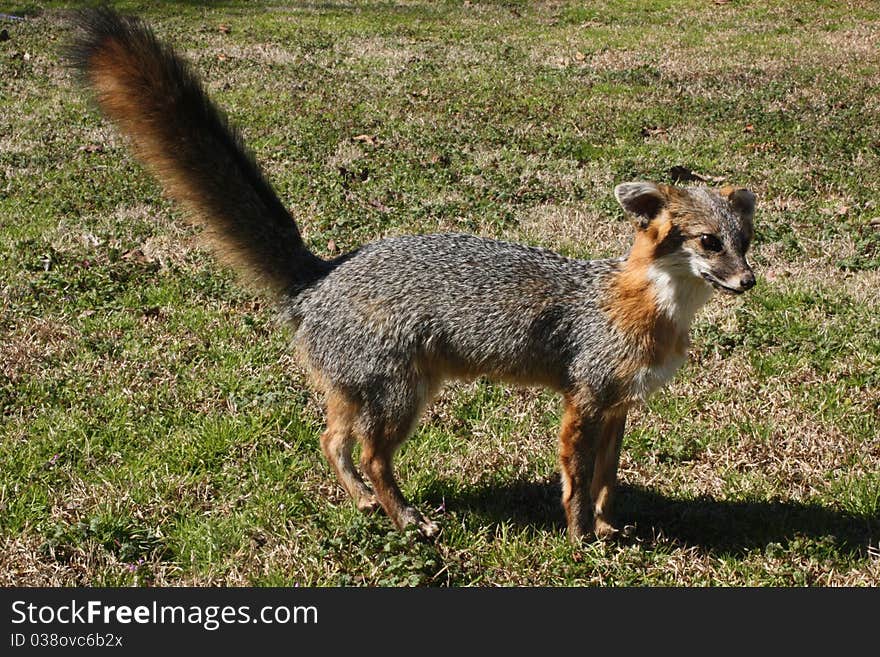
717, 526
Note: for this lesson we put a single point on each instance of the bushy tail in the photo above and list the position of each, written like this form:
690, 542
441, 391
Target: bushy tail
159, 103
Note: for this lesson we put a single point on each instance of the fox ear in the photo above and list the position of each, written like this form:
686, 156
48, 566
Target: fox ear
741, 199
644, 200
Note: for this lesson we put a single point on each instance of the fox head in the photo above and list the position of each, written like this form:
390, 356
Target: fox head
695, 232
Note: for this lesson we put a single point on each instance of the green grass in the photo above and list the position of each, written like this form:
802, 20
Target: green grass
155, 427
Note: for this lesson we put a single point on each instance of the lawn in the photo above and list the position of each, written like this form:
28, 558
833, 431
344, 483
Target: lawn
157, 429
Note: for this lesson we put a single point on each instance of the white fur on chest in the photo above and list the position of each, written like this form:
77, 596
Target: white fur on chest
678, 295
649, 379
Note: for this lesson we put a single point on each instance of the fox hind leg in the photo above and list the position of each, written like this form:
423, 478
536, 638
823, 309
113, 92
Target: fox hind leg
337, 443
376, 462
381, 432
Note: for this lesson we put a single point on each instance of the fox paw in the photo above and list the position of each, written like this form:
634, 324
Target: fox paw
605, 531
429, 528
368, 504
426, 528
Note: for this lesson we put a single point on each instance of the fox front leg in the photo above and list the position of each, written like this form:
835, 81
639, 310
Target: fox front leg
589, 451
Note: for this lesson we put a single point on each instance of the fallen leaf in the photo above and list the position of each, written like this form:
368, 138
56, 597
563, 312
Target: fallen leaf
683, 174
437, 158
225, 29
579, 56
369, 140
381, 207
653, 131
761, 147
135, 255
775, 274
749, 128
331, 246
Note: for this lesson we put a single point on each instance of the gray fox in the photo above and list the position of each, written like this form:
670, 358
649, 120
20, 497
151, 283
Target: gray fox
381, 328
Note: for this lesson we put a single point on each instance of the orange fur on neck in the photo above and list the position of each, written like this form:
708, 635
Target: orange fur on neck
632, 304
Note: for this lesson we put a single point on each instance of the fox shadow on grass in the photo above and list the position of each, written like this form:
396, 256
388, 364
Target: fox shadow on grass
718, 526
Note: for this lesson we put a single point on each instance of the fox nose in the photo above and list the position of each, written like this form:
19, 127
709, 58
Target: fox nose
747, 282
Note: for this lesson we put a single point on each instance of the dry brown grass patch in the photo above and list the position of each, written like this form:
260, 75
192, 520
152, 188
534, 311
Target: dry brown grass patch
567, 228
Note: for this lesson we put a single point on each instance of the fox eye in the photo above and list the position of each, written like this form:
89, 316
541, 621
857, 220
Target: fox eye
710, 242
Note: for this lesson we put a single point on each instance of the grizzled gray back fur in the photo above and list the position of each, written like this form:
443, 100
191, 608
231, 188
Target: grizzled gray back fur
473, 305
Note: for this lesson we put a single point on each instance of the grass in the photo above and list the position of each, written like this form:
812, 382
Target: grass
155, 428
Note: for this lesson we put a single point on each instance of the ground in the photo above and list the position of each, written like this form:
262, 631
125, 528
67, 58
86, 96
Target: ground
156, 428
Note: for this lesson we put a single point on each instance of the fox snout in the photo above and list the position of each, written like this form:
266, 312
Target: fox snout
736, 283
747, 280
